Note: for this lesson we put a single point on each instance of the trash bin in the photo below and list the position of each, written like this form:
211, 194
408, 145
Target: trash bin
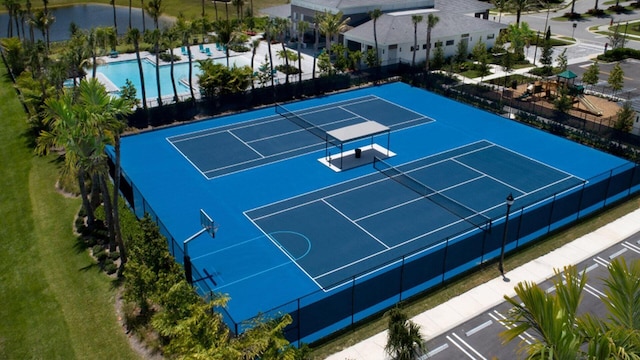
358, 153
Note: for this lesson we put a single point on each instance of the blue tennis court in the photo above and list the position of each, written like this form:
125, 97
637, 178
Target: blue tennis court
377, 219
222, 150
309, 226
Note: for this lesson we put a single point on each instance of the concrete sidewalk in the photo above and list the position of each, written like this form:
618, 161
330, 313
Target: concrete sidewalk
454, 312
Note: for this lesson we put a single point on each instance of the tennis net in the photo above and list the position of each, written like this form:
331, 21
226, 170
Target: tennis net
469, 215
298, 120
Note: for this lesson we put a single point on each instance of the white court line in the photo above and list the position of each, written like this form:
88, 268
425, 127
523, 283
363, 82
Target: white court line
487, 175
251, 276
356, 224
353, 180
187, 158
246, 144
325, 200
417, 198
286, 253
263, 164
405, 108
539, 162
218, 129
393, 247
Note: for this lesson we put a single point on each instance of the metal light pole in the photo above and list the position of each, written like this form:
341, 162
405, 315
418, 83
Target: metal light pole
509, 202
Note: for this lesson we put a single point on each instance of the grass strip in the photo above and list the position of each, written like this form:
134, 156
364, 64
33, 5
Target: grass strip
55, 303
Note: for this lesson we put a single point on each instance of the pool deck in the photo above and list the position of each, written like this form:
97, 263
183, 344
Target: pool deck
215, 53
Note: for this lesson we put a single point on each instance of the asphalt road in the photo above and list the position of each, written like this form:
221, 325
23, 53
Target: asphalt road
479, 338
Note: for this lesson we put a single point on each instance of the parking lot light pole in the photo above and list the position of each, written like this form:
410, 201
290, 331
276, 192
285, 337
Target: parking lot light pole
509, 202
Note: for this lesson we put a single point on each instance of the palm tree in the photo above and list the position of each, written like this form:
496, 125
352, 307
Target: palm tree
374, 15
170, 40
416, 19
519, 6
77, 55
255, 43
185, 29
316, 33
98, 40
10, 5
29, 20
269, 30
281, 27
115, 20
404, 341
500, 5
134, 37
561, 334
239, 5
154, 8
130, 5
43, 21
331, 24
68, 132
303, 26
226, 34
550, 315
432, 21
154, 36
142, 7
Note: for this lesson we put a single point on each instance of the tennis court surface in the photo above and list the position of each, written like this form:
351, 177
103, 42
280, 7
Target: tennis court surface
335, 208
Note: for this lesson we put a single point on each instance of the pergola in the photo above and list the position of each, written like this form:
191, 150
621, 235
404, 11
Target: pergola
339, 137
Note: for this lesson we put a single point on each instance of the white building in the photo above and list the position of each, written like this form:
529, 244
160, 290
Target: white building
395, 33
459, 21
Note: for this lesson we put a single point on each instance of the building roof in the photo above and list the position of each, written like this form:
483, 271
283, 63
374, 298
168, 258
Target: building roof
462, 6
280, 11
349, 7
397, 28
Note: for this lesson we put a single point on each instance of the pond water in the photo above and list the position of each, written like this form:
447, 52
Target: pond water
87, 16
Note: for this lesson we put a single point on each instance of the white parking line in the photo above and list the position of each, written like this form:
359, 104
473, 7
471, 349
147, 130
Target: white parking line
461, 348
479, 327
469, 346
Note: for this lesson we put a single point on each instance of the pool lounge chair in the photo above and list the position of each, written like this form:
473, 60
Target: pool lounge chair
208, 51
202, 48
184, 51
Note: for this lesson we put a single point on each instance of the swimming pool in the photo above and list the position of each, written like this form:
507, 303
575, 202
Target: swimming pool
119, 71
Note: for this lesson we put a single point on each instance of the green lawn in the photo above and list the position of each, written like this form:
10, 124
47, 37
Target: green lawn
55, 303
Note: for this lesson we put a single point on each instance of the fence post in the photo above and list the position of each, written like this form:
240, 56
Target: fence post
353, 299
553, 203
401, 277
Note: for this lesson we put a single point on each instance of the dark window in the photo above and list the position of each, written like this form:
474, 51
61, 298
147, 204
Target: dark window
449, 42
